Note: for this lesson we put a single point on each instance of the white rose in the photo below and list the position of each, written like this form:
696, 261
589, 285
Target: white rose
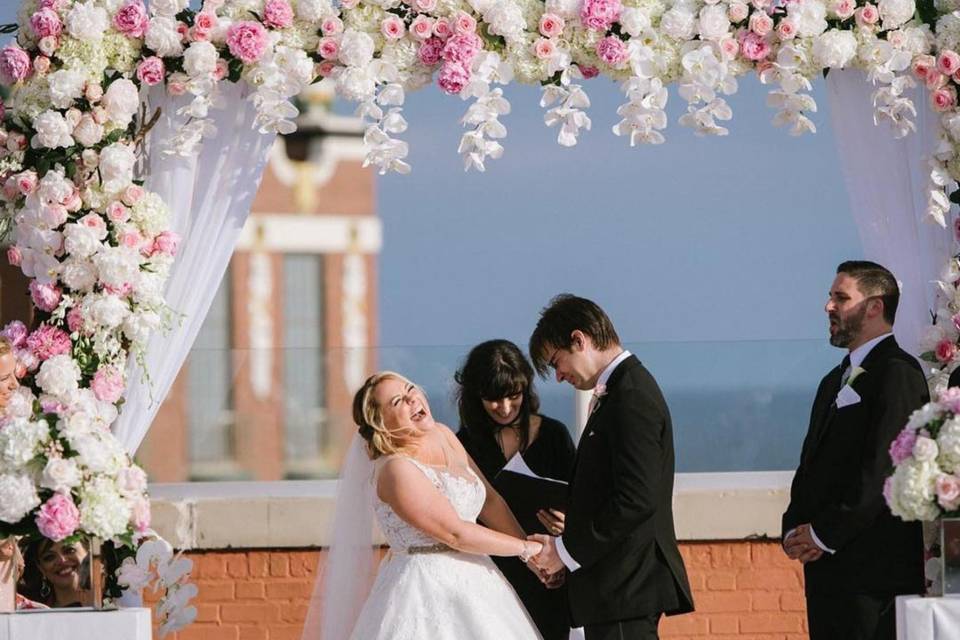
356, 48
200, 59
168, 8
163, 38
809, 16
65, 87
634, 21
680, 22
60, 475
896, 12
79, 274
53, 131
18, 497
355, 84
87, 21
925, 449
116, 167
313, 10
714, 23
122, 100
59, 376
88, 132
80, 241
835, 49
103, 511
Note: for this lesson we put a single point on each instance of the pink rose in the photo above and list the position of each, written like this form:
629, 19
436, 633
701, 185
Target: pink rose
866, 15
612, 51
453, 77
845, 8
222, 69
348, 4
948, 62
551, 25
442, 28
943, 99
544, 49
26, 182
754, 47
956, 234
14, 64
329, 48
737, 12
421, 28
599, 15
730, 48
946, 349
331, 26
117, 213
325, 69
425, 6
46, 297
786, 30
935, 80
14, 257
58, 517
131, 239
183, 30
429, 51
902, 446
93, 92
75, 320
140, 514
95, 222
464, 23
16, 141
948, 491
167, 243
108, 384
247, 40
205, 21
132, 20
48, 341
74, 202
588, 71
16, 334
922, 66
151, 71
392, 27
277, 14
761, 24
177, 84
132, 195
46, 22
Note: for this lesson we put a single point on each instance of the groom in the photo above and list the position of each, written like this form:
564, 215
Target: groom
619, 544
856, 555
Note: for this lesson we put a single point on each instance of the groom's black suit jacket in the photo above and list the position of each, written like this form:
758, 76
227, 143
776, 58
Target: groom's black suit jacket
619, 522
838, 487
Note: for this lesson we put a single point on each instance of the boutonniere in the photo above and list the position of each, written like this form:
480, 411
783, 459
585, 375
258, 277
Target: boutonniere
856, 373
598, 392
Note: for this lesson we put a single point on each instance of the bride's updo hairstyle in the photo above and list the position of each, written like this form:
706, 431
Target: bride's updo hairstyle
369, 418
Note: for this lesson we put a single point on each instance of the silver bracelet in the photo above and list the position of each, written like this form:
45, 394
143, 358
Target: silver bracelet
525, 555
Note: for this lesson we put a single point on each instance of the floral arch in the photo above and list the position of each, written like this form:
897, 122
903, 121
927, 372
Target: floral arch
134, 136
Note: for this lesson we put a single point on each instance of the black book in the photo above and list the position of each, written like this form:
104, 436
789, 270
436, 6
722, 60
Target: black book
527, 493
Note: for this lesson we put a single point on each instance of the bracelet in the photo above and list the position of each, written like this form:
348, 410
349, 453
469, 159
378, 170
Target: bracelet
524, 554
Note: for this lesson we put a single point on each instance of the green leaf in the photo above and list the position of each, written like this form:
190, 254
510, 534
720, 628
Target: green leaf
9, 28
929, 356
927, 12
955, 196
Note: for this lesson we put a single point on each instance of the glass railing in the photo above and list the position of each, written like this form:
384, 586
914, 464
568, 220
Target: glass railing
286, 413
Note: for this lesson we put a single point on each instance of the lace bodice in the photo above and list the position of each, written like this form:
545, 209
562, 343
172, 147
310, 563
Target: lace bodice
465, 493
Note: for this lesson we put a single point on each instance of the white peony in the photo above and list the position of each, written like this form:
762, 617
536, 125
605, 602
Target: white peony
356, 48
103, 511
912, 493
98, 452
131, 481
162, 37
121, 100
53, 131
80, 241
200, 59
117, 266
810, 17
79, 274
61, 475
105, 311
835, 49
896, 12
168, 8
679, 22
65, 87
87, 21
59, 376
55, 186
88, 131
20, 442
20, 404
138, 327
356, 84
313, 10
116, 167
634, 21
714, 23
504, 18
18, 497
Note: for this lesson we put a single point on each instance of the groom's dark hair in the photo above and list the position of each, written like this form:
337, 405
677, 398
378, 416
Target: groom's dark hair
876, 281
565, 314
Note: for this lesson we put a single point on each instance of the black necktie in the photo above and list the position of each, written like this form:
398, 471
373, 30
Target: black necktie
844, 370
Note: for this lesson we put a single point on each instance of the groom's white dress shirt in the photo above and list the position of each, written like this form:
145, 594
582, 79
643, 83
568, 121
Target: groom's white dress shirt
565, 556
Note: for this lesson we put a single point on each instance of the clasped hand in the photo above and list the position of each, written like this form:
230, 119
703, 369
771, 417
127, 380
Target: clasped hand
799, 545
547, 564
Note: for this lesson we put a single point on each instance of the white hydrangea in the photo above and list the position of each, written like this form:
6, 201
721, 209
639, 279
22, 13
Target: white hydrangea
117, 266
20, 404
948, 441
86, 21
21, 441
18, 497
948, 31
61, 475
835, 49
103, 511
896, 12
53, 131
150, 214
912, 491
66, 86
116, 167
59, 376
566, 9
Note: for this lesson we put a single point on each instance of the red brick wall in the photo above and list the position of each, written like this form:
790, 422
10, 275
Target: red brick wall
743, 590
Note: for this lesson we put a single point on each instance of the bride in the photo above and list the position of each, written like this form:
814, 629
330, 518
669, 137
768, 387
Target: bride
437, 581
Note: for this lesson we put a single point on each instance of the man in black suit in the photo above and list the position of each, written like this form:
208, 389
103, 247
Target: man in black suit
856, 555
619, 544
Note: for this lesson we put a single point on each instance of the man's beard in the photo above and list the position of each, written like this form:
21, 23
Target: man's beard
848, 329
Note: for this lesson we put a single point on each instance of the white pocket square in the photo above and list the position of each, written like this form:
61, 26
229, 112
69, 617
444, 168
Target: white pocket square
591, 433
847, 397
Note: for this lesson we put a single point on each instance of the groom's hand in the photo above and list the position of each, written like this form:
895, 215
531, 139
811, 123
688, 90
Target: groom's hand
799, 545
552, 520
548, 561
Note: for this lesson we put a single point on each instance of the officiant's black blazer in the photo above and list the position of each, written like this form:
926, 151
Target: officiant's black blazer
838, 487
619, 523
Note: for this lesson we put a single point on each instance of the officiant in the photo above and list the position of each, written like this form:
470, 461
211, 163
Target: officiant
499, 419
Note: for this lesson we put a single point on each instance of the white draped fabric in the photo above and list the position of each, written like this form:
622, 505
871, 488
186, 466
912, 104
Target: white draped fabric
886, 181
209, 194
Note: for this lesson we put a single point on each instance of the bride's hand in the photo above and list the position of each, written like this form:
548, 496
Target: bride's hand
553, 520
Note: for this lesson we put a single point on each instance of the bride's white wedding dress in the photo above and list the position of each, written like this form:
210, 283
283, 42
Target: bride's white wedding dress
424, 591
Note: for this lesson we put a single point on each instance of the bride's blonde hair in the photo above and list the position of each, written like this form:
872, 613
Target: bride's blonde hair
368, 416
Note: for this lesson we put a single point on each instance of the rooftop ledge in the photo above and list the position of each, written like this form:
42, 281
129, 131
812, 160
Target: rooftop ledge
298, 514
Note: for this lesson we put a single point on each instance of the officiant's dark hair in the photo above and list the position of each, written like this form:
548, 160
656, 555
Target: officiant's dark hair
874, 280
492, 370
565, 314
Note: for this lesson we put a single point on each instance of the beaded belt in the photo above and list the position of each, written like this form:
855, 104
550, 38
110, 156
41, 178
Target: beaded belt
429, 548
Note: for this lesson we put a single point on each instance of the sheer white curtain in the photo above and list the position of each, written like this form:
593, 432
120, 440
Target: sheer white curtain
886, 181
209, 195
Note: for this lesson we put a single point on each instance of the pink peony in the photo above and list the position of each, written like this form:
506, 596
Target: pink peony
943, 99
247, 40
551, 25
45, 296
453, 77
946, 351
108, 384
462, 48
16, 334
948, 62
75, 320
754, 47
14, 256
46, 22
14, 64
429, 51
599, 15
48, 341
132, 20
392, 27
277, 14
58, 517
167, 243
902, 446
151, 71
612, 51
948, 491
